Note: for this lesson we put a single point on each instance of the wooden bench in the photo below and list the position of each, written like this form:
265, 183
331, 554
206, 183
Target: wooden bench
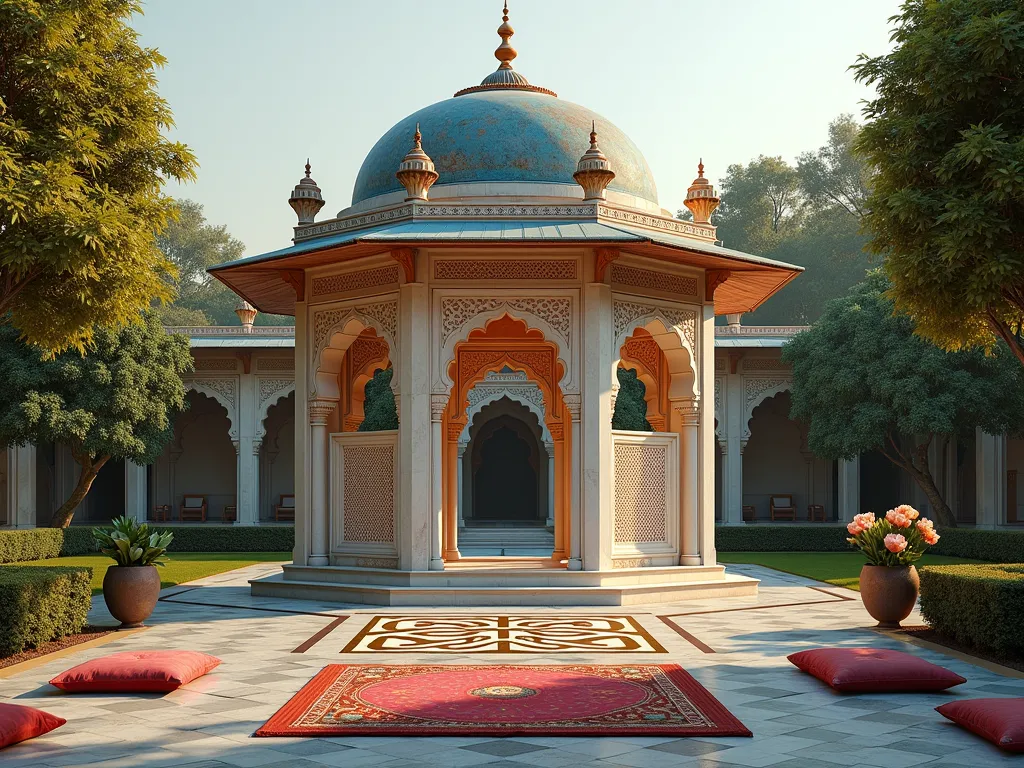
781, 507
193, 508
286, 509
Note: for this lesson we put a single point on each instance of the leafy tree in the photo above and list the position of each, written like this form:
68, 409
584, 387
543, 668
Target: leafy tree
863, 380
946, 133
630, 406
83, 157
835, 177
379, 409
760, 203
118, 401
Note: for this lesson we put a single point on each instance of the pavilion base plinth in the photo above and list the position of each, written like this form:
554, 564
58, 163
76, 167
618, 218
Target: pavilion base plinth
491, 584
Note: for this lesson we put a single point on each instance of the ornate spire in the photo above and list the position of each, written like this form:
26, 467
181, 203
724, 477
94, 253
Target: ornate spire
701, 197
306, 199
593, 172
416, 171
247, 312
505, 77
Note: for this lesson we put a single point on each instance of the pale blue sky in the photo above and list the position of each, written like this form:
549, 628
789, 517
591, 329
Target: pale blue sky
257, 85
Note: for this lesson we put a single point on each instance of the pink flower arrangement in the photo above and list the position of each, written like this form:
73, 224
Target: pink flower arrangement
899, 538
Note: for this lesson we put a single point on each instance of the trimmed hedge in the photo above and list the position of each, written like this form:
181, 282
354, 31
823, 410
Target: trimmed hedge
40, 603
30, 544
994, 546
78, 541
250, 538
978, 605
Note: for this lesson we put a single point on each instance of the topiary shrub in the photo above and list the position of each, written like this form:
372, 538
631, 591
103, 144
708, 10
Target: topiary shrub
30, 544
379, 409
39, 604
78, 540
978, 605
630, 407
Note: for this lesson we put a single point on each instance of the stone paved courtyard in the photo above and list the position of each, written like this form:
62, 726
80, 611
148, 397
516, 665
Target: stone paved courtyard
736, 648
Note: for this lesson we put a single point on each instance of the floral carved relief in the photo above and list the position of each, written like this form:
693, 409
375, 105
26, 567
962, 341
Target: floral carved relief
660, 281
353, 281
384, 312
457, 311
270, 387
626, 313
505, 269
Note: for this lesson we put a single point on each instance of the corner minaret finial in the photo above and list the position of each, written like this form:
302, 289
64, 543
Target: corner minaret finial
246, 314
701, 197
505, 52
593, 172
416, 171
306, 199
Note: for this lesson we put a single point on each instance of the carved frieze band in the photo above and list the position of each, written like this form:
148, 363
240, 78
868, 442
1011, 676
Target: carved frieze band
623, 274
626, 313
384, 312
358, 280
765, 364
275, 364
456, 311
216, 364
506, 269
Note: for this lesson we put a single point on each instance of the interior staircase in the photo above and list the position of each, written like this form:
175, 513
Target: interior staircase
505, 542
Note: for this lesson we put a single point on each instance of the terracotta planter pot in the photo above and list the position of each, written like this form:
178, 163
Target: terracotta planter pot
131, 592
889, 592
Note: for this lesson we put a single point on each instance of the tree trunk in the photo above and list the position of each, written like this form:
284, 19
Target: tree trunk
90, 468
916, 465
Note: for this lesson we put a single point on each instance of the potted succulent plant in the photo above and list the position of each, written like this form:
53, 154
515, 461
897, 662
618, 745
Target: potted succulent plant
132, 586
889, 583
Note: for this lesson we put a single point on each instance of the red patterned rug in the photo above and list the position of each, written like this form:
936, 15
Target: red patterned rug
480, 700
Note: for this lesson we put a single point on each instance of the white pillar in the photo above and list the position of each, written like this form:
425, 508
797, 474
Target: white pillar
135, 491
319, 482
686, 418
849, 488
990, 487
247, 481
21, 488
575, 516
303, 518
733, 470
437, 406
414, 433
596, 445
465, 483
550, 448
706, 448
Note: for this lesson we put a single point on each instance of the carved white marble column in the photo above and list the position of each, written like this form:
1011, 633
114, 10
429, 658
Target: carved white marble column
319, 482
596, 443
437, 406
990, 486
849, 488
135, 491
21, 488
686, 414
247, 493
414, 429
734, 444
572, 404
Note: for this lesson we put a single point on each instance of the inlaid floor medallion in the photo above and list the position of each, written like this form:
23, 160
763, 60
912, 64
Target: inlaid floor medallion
501, 700
503, 634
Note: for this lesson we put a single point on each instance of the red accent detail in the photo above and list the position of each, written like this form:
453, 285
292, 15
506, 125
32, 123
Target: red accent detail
712, 279
133, 672
1001, 721
597, 700
874, 669
18, 723
296, 278
406, 258
605, 256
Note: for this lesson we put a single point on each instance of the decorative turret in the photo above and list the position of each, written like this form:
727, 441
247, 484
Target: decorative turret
416, 171
594, 173
306, 199
247, 312
701, 197
505, 77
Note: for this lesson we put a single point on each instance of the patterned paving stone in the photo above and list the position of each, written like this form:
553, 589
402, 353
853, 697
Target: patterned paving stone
797, 721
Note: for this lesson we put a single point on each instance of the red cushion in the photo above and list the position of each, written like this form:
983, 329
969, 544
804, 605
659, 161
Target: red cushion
1001, 721
874, 669
136, 672
19, 723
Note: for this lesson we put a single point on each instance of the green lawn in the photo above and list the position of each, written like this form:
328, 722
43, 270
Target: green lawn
180, 567
839, 568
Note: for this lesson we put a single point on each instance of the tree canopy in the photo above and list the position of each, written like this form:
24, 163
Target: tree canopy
863, 380
83, 158
946, 133
117, 401
808, 214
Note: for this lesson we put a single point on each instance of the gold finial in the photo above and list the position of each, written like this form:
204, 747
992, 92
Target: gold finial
594, 172
308, 168
505, 52
701, 197
416, 171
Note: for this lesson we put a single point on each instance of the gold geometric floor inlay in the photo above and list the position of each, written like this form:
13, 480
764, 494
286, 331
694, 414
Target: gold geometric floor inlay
503, 634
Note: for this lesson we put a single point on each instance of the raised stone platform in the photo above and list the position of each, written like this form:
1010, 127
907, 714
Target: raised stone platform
503, 582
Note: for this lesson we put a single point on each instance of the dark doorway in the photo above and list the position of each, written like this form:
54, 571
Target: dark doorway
505, 475
879, 483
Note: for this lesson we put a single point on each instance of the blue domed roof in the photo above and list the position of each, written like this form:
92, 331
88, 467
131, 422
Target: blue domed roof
504, 136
